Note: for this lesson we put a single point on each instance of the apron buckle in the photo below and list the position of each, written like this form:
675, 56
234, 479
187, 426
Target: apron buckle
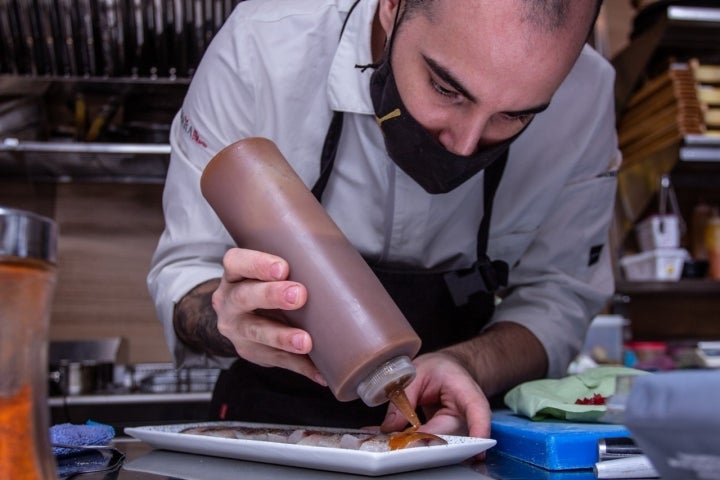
483, 277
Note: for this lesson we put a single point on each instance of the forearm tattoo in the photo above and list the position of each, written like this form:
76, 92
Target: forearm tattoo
195, 322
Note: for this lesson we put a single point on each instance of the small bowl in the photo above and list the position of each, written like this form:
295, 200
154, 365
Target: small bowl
695, 268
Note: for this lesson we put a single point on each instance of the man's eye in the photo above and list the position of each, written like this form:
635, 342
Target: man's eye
522, 118
442, 90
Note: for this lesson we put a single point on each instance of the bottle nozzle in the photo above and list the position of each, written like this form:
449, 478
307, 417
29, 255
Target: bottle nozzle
397, 371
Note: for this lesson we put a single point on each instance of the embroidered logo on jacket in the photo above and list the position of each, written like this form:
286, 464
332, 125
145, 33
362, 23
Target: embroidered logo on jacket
190, 130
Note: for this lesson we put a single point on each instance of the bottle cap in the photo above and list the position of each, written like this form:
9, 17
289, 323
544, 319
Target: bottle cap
372, 390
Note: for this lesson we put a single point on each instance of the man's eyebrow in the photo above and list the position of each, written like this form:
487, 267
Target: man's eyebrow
445, 75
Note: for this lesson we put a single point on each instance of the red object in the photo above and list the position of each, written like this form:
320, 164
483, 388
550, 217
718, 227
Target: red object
655, 346
596, 399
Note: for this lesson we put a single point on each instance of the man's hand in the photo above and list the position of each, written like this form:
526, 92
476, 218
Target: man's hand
452, 401
453, 384
253, 288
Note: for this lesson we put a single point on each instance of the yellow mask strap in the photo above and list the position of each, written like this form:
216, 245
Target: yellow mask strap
395, 113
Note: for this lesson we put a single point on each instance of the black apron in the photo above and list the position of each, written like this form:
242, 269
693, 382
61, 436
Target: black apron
443, 307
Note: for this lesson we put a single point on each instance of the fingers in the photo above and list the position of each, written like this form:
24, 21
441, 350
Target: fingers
254, 288
263, 342
394, 420
254, 280
478, 416
248, 295
449, 425
240, 263
271, 343
301, 364
452, 401
254, 329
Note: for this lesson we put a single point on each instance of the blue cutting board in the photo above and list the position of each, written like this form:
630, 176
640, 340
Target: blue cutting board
551, 444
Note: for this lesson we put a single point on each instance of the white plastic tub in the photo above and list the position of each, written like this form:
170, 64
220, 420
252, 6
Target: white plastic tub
658, 231
661, 264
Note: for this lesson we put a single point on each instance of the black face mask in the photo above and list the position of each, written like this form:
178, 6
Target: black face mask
412, 147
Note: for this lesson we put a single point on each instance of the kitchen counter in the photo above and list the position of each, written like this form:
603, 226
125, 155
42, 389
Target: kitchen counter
126, 409
145, 463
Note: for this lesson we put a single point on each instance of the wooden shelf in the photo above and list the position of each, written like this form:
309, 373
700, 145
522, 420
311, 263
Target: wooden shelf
685, 287
688, 309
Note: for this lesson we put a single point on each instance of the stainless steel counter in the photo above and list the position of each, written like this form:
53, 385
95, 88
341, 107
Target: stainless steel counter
145, 463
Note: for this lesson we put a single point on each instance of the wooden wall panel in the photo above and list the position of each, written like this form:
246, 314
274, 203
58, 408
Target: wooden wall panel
108, 233
107, 236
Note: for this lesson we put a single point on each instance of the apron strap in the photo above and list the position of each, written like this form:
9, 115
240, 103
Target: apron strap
329, 152
485, 276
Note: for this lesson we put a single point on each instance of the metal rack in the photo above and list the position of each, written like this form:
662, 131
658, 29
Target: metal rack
86, 130
88, 88
73, 161
107, 38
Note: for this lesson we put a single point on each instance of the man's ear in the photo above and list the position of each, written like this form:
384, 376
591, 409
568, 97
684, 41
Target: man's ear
387, 11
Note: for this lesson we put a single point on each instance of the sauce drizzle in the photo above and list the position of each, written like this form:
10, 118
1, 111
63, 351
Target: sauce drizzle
396, 394
400, 440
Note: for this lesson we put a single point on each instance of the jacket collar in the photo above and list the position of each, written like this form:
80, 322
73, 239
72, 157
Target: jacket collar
348, 87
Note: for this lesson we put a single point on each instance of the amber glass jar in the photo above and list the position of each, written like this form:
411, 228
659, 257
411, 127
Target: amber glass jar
27, 281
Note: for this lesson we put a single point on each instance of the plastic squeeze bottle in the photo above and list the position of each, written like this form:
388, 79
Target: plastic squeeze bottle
362, 343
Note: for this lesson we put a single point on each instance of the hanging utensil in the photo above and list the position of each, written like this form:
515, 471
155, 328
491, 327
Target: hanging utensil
86, 38
8, 41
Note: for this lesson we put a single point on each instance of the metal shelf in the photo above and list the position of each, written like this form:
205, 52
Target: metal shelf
15, 145
56, 161
118, 80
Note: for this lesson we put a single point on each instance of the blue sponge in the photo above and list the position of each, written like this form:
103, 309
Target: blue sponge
91, 433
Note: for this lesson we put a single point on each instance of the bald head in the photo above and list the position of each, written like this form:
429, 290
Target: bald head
552, 15
570, 22
549, 15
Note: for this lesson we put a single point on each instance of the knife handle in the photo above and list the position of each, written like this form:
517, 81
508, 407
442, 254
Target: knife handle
617, 447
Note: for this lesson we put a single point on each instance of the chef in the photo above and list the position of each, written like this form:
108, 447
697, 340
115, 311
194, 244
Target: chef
465, 147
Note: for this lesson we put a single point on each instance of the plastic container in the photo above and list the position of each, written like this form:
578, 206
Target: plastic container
648, 355
658, 231
662, 264
362, 343
605, 338
647, 351
712, 242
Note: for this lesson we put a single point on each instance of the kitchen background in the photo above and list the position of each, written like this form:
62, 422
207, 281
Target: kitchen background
108, 203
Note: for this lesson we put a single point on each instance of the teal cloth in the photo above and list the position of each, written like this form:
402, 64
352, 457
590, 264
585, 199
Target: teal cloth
555, 398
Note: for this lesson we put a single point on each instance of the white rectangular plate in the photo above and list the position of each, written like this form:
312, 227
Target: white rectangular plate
322, 458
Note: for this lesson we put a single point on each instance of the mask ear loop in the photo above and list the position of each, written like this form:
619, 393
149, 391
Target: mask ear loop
388, 52
396, 22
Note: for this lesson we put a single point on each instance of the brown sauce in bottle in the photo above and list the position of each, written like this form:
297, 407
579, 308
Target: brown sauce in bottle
400, 440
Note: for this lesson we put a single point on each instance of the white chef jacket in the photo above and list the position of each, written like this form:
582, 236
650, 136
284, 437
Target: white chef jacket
278, 68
